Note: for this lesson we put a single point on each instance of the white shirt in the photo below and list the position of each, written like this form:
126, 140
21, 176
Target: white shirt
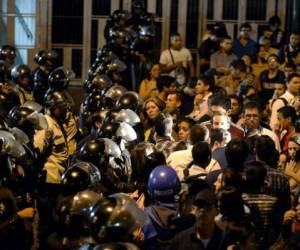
179, 160
183, 55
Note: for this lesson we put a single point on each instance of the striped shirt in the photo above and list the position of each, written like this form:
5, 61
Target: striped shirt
263, 209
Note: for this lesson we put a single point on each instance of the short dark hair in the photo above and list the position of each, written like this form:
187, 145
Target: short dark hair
288, 111
207, 80
164, 81
220, 100
223, 38
245, 25
295, 53
239, 64
251, 105
216, 135
290, 64
201, 153
255, 173
178, 94
295, 32
273, 55
236, 153
291, 76
198, 133
264, 148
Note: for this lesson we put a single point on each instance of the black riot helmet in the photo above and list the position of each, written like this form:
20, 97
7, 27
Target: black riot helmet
117, 130
117, 33
3, 73
19, 72
80, 176
46, 58
54, 98
18, 117
108, 130
129, 100
93, 151
99, 82
73, 212
115, 92
146, 31
57, 103
119, 15
96, 102
7, 52
115, 218
59, 78
7, 102
97, 151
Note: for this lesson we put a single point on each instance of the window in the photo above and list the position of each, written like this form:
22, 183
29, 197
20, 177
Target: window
67, 21
210, 9
174, 16
101, 8
230, 9
192, 23
256, 9
77, 62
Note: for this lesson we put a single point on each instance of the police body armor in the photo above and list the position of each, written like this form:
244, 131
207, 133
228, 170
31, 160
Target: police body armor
54, 144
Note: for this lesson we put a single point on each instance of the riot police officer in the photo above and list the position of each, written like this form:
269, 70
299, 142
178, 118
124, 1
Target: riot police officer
46, 60
21, 76
8, 55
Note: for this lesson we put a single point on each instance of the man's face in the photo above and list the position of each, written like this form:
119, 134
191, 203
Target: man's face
176, 42
227, 45
215, 109
294, 40
205, 214
297, 59
221, 121
251, 118
279, 89
273, 63
245, 33
294, 85
172, 103
234, 109
60, 111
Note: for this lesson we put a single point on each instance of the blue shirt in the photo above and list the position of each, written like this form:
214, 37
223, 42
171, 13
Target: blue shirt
240, 50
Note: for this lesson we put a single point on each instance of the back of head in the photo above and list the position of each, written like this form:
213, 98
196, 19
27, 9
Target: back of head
255, 173
201, 153
164, 81
198, 133
220, 100
236, 153
264, 148
227, 197
239, 64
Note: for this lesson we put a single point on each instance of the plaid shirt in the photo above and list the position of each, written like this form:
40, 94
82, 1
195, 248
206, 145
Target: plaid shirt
279, 187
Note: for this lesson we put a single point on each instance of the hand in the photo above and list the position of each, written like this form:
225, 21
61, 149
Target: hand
289, 215
179, 65
290, 167
26, 213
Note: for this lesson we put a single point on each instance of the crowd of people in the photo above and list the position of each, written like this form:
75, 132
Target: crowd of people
157, 157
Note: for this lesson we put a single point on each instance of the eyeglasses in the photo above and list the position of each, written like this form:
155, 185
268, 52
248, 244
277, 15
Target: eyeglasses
254, 116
